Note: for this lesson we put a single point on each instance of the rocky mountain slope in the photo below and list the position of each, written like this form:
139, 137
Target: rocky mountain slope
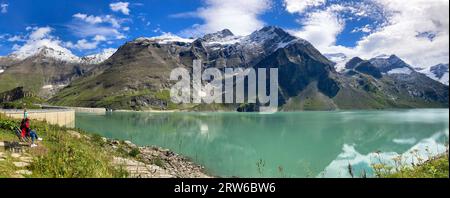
137, 75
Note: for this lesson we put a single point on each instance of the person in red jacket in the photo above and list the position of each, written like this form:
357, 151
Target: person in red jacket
25, 124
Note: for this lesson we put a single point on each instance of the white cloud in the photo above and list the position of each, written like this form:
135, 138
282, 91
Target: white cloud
4, 8
364, 29
16, 38
418, 31
121, 36
41, 37
415, 30
40, 33
99, 38
87, 30
298, 6
321, 28
88, 18
91, 19
120, 7
107, 26
241, 17
83, 44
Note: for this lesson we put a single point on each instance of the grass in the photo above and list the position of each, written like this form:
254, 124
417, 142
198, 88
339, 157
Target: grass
28, 102
32, 83
61, 155
101, 97
435, 168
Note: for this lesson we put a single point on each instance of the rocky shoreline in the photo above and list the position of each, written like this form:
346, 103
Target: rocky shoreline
153, 162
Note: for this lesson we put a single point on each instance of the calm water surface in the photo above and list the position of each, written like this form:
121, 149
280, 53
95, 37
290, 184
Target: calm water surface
300, 144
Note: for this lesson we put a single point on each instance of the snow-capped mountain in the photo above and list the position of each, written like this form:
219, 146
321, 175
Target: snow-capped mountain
222, 37
51, 66
55, 52
438, 72
224, 44
98, 58
340, 59
391, 65
59, 53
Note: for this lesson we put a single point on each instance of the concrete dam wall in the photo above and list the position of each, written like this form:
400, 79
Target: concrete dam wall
61, 117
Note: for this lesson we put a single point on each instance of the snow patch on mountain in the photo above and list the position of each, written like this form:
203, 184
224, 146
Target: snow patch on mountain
54, 86
404, 70
340, 59
225, 41
383, 56
166, 38
100, 57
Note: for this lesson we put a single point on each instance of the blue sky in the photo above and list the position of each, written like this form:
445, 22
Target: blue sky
352, 27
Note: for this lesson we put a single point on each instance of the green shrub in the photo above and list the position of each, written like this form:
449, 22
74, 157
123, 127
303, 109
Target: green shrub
158, 162
134, 152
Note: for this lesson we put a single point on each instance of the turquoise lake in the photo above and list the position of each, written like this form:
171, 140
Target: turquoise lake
297, 144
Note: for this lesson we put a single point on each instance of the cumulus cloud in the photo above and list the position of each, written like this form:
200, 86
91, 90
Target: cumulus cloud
4, 8
415, 30
321, 28
40, 33
120, 7
298, 6
241, 17
418, 31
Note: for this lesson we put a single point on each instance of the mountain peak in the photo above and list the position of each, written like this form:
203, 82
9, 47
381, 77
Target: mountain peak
218, 35
48, 51
390, 63
352, 63
272, 35
439, 70
274, 30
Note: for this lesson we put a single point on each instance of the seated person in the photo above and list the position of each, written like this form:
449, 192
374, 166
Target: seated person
26, 130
